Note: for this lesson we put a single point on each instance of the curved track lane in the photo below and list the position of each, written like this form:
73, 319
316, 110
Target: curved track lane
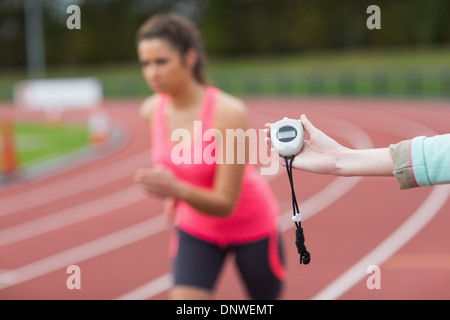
92, 215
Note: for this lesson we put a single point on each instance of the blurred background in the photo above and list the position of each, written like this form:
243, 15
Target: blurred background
294, 48
255, 47
265, 51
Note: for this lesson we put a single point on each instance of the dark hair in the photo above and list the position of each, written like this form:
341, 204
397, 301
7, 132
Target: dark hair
180, 33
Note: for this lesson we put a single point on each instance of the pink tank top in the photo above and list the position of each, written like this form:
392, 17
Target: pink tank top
256, 212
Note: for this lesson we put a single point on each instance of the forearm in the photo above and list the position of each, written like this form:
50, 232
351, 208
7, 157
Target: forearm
369, 162
208, 201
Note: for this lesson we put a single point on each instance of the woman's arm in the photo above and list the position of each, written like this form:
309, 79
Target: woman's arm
368, 162
417, 162
221, 198
322, 154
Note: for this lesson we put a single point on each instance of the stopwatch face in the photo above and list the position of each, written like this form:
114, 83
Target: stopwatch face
286, 134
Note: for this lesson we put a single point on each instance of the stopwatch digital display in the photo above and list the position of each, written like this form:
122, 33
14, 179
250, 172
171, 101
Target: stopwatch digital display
287, 136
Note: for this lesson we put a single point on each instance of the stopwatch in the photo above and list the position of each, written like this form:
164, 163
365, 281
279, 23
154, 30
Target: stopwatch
287, 136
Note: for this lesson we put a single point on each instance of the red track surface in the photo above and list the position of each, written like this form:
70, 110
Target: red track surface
93, 216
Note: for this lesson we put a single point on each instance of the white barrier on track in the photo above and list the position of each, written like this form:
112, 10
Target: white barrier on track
58, 94
55, 96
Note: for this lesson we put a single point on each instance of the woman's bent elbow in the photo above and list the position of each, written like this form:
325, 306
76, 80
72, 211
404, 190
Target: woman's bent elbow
226, 208
225, 211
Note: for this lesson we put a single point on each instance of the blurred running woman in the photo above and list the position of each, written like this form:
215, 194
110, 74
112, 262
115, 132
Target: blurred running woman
219, 207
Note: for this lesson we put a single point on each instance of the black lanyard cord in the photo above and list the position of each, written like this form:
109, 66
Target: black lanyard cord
305, 256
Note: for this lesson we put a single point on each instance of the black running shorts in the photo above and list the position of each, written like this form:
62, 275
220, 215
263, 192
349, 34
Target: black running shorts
198, 263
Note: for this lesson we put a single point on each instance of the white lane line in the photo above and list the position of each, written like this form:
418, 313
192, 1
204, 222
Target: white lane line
77, 254
319, 201
83, 252
88, 250
416, 222
149, 289
349, 277
309, 207
76, 214
69, 187
315, 204
72, 215
136, 233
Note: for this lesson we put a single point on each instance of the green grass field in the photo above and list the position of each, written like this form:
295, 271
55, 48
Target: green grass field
418, 73
38, 142
422, 72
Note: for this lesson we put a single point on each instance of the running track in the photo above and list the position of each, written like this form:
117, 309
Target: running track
93, 216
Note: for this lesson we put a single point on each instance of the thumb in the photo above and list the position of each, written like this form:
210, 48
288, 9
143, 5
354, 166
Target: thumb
307, 125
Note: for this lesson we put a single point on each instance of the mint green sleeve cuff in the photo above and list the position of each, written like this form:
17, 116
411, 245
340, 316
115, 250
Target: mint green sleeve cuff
403, 170
430, 159
422, 161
